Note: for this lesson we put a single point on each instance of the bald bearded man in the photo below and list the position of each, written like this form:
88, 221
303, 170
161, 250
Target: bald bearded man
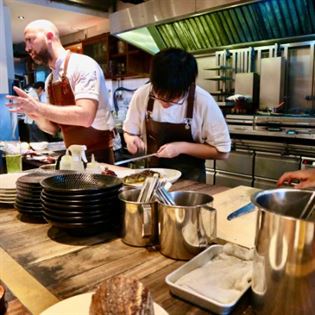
77, 98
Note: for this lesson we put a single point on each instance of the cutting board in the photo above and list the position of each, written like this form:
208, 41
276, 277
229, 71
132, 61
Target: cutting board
240, 230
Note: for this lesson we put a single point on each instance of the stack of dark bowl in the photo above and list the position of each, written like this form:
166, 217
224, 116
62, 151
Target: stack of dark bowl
28, 190
81, 202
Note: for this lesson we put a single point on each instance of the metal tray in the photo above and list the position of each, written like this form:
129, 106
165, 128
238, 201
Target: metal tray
196, 298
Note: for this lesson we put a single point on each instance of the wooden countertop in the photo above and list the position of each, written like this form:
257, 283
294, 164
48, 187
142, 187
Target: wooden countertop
41, 264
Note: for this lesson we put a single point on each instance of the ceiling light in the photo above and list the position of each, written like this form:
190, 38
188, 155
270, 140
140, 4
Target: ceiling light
21, 17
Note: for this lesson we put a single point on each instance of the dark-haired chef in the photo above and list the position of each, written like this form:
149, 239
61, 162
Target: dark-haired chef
175, 118
77, 94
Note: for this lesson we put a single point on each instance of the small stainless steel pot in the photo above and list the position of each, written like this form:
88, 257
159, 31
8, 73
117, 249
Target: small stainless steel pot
140, 226
188, 227
284, 264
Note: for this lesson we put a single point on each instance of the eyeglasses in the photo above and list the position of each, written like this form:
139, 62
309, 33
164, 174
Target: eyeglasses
171, 102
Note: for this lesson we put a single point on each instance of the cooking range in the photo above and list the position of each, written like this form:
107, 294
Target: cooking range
273, 125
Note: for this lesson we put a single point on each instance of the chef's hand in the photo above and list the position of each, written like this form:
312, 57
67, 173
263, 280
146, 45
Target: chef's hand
170, 150
23, 103
306, 178
134, 143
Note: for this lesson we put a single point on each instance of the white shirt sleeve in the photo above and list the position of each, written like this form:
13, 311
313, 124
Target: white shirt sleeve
87, 79
135, 118
208, 124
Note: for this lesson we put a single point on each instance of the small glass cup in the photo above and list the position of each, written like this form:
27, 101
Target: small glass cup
13, 156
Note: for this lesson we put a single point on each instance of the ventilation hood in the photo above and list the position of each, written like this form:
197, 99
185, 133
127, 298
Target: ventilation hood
207, 25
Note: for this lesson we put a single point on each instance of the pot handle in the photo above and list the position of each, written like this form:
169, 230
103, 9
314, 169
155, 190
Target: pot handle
146, 220
207, 235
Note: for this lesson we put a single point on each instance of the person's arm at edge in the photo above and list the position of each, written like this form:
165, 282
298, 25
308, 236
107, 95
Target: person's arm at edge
305, 177
198, 150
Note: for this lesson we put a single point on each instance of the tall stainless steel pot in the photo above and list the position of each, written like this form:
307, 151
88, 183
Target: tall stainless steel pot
284, 263
140, 226
188, 227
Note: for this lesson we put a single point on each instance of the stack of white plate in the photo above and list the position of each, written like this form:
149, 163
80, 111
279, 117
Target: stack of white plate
8, 187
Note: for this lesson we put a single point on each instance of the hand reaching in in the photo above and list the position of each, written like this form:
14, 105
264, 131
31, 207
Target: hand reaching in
306, 178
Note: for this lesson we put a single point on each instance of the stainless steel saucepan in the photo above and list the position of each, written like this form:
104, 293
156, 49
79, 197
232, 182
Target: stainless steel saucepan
284, 264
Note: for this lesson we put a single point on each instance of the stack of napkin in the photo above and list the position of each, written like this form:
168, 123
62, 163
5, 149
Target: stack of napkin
224, 278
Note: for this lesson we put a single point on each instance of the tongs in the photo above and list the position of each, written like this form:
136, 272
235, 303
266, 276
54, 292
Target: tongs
148, 189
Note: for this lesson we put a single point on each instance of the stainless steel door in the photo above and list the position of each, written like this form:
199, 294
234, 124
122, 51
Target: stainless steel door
232, 180
272, 166
238, 162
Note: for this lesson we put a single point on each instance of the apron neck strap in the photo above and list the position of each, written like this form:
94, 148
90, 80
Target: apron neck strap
190, 100
65, 68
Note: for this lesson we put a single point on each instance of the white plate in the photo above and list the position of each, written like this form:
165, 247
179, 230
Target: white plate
8, 181
170, 174
80, 304
8, 201
8, 197
9, 193
39, 146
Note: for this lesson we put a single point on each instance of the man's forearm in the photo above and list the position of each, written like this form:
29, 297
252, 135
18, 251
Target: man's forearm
81, 114
46, 125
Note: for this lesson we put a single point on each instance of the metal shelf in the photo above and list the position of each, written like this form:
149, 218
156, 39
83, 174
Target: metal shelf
221, 93
219, 78
219, 68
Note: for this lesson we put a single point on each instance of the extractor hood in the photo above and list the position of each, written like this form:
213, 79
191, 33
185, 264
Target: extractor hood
207, 25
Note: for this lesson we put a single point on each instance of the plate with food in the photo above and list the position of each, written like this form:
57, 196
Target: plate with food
117, 292
136, 177
80, 304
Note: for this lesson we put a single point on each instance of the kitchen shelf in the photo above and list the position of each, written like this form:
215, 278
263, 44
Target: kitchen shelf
218, 68
220, 93
219, 78
117, 58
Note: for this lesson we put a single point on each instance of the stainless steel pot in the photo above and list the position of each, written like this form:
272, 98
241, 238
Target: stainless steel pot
284, 264
188, 227
140, 225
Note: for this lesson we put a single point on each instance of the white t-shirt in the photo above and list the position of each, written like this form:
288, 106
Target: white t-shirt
87, 81
208, 124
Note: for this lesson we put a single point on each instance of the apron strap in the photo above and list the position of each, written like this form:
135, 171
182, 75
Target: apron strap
66, 64
190, 101
149, 107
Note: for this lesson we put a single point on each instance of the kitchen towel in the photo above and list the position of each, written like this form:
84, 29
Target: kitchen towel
224, 278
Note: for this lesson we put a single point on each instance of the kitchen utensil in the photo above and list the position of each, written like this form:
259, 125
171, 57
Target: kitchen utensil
309, 208
164, 196
140, 226
241, 211
148, 188
284, 255
187, 227
134, 159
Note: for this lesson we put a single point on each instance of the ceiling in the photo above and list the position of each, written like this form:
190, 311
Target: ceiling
68, 18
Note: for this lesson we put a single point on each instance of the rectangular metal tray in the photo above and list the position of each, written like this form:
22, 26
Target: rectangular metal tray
196, 298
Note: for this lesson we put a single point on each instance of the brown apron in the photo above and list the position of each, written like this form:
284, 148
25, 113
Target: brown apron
99, 142
159, 133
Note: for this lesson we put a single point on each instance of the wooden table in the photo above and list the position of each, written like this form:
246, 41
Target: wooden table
41, 264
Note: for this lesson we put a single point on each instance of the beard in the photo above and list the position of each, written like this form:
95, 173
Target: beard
42, 57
